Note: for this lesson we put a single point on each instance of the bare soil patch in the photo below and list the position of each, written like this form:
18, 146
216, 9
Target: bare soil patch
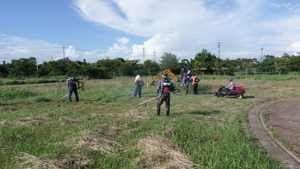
283, 118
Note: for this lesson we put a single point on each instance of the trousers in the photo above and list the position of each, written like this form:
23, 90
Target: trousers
160, 102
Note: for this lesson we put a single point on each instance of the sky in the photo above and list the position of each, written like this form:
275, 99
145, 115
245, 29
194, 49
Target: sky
93, 30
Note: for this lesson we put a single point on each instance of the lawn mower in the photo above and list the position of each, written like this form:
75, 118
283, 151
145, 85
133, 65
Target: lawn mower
238, 92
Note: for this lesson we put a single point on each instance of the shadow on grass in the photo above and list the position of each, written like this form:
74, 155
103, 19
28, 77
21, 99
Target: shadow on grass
249, 97
233, 97
205, 113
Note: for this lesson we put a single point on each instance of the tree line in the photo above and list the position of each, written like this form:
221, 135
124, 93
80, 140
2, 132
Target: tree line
110, 68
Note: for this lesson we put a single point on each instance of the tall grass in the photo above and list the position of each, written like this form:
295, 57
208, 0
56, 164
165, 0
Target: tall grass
12, 93
103, 129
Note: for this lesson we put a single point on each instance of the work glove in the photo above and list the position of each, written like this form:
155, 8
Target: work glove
157, 91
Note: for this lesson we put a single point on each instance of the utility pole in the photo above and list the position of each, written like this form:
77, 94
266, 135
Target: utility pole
262, 54
143, 55
154, 55
219, 46
63, 48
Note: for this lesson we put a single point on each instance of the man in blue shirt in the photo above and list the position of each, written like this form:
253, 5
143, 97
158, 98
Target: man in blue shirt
185, 83
164, 88
72, 87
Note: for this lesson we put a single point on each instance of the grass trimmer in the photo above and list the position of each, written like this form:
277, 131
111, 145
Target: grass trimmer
176, 91
64, 97
80, 87
147, 101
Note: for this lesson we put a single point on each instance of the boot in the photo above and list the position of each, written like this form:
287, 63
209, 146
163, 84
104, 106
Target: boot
158, 110
167, 113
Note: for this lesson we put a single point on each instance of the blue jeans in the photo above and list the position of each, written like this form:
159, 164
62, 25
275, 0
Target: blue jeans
71, 90
137, 90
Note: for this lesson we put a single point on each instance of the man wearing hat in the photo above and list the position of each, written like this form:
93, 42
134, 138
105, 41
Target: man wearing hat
164, 88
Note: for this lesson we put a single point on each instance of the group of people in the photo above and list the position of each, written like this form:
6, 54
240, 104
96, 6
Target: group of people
164, 88
190, 77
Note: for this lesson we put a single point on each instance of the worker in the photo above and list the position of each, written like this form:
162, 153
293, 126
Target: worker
189, 72
231, 86
164, 88
72, 87
195, 80
138, 82
185, 83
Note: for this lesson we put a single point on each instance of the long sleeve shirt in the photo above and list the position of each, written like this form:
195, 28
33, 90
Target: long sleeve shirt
231, 86
185, 81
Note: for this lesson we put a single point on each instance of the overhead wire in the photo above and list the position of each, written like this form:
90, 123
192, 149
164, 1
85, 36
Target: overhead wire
188, 49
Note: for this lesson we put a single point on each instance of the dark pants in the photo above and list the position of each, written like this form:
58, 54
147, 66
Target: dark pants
224, 89
195, 88
71, 90
160, 102
186, 89
137, 90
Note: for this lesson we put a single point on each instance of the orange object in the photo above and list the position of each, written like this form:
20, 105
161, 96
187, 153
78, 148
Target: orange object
145, 104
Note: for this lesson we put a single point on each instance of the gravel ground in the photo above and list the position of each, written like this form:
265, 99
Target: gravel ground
283, 118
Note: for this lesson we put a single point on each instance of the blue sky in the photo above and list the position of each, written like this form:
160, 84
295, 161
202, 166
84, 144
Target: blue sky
135, 29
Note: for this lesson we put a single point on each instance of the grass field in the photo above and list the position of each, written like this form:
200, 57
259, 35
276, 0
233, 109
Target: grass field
107, 130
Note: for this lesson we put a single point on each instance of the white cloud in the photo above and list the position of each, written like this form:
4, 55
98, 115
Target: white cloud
281, 5
123, 41
296, 45
178, 26
13, 47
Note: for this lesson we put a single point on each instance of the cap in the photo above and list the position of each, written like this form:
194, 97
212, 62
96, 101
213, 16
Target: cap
164, 76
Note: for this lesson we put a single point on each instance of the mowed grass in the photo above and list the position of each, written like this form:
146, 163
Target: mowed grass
106, 129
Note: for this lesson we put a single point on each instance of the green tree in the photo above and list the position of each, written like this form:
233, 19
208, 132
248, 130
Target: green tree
43, 69
24, 67
150, 67
280, 64
170, 61
267, 64
207, 60
58, 67
128, 67
293, 62
111, 68
75, 68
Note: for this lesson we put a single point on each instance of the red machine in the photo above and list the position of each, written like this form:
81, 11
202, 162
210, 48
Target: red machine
238, 92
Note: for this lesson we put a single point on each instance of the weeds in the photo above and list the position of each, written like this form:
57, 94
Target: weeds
12, 93
105, 129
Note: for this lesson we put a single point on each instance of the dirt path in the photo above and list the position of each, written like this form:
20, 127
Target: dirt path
285, 157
